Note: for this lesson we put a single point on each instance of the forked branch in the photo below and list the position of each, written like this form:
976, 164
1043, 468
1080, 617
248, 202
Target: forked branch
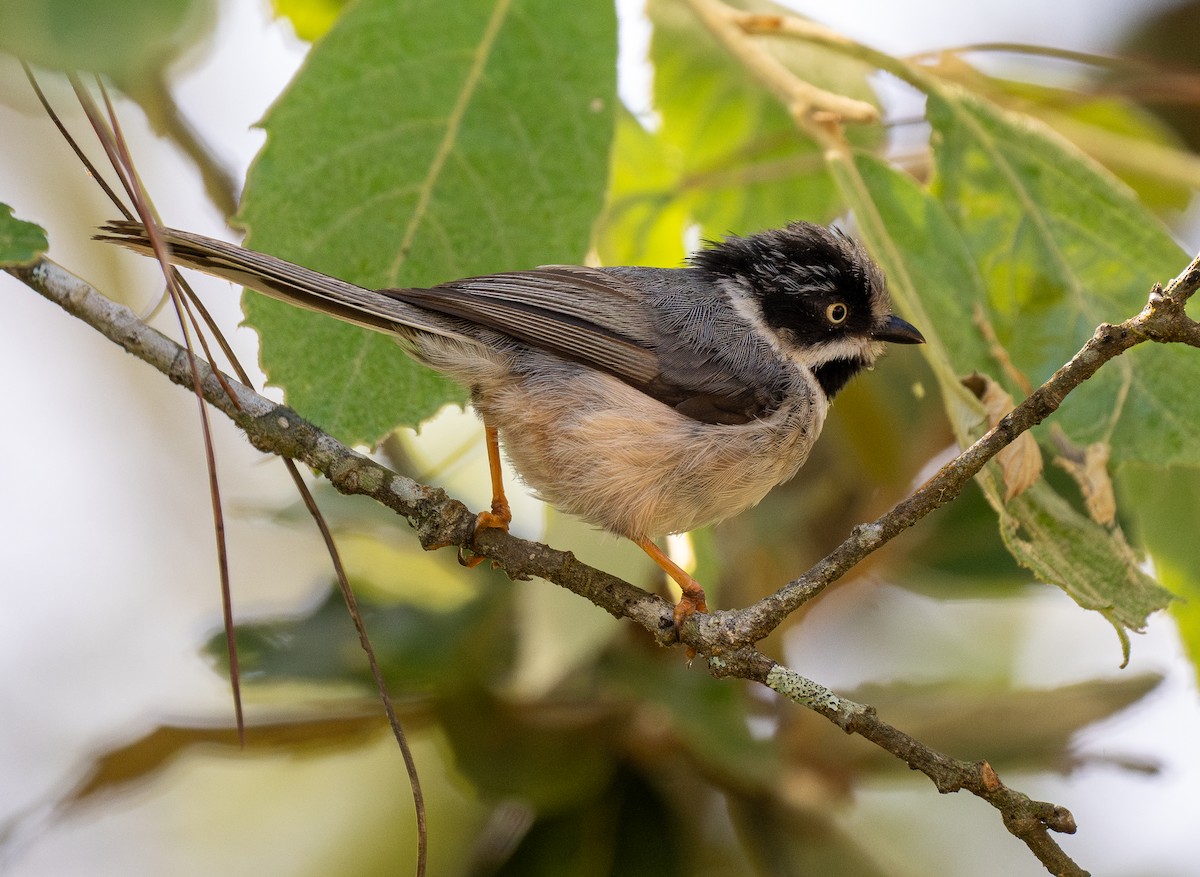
725, 638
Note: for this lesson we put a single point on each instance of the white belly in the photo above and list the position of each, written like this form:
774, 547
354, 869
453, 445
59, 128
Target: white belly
627, 463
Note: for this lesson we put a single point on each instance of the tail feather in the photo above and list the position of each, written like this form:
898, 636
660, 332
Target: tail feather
282, 280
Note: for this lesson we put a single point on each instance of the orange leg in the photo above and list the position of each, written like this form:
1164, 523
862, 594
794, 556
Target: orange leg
693, 594
501, 515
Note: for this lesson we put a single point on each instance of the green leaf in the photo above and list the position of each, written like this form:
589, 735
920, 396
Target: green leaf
123, 40
921, 250
420, 650
1131, 142
1061, 247
1166, 503
723, 156
1094, 566
622, 832
422, 142
20, 242
1126, 138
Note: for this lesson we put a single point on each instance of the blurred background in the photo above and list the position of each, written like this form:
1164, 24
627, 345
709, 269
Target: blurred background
115, 750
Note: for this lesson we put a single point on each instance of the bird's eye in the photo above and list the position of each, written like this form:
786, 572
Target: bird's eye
836, 313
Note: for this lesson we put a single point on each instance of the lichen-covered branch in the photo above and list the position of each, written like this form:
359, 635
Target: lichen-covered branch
1030, 820
276, 429
1163, 319
725, 638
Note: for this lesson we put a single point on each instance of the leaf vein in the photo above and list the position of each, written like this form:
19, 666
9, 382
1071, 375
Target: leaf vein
450, 138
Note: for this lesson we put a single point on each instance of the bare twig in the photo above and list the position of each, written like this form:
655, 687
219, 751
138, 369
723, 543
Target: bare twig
804, 101
724, 638
1163, 319
276, 429
1030, 820
187, 305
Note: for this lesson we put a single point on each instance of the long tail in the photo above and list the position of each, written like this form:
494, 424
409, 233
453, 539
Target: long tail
279, 279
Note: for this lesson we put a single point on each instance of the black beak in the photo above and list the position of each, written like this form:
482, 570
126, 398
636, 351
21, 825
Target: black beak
898, 331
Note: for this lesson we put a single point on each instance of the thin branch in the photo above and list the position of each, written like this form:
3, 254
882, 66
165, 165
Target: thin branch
276, 429
111, 138
723, 638
804, 101
187, 303
1163, 319
726, 638
364, 640
1030, 820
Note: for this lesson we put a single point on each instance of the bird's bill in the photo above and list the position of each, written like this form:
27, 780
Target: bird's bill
898, 331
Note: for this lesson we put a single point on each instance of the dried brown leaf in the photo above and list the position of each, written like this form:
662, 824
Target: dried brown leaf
1091, 474
1021, 461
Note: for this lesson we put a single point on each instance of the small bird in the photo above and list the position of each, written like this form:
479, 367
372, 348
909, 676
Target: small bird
646, 401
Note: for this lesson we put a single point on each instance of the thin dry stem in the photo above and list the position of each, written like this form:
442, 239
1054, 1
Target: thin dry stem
1163, 319
725, 638
806, 103
187, 305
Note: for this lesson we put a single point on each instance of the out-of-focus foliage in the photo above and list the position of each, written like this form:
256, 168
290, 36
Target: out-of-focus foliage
20, 242
127, 41
426, 141
723, 154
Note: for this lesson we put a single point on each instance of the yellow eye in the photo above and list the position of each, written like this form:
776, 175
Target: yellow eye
836, 313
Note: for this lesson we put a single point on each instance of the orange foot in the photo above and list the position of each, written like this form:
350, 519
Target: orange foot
693, 595
691, 603
497, 519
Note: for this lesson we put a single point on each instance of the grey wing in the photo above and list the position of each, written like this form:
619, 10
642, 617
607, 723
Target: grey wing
576, 313
661, 330
604, 321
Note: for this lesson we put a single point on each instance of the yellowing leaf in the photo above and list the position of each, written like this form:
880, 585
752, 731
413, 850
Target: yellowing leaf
310, 18
935, 280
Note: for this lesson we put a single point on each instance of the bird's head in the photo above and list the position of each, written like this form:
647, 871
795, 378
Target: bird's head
815, 293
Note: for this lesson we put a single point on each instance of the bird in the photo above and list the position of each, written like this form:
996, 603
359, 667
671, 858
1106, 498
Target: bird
647, 401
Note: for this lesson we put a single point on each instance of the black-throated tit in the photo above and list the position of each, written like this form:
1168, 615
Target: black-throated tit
646, 401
